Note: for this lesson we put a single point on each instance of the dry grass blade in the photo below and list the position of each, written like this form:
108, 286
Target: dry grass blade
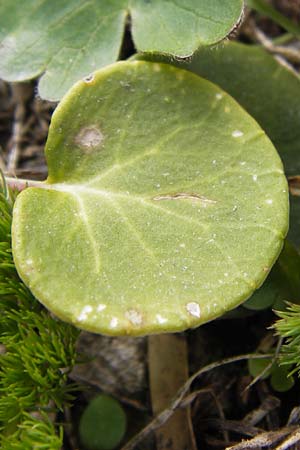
255, 416
21, 93
293, 439
161, 418
262, 440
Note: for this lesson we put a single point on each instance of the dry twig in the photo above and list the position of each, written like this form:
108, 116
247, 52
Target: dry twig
21, 93
161, 418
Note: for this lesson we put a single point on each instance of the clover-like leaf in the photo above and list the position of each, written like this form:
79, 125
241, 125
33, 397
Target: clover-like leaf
68, 40
165, 206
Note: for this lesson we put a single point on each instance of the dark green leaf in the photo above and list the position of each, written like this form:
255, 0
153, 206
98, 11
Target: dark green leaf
103, 424
66, 41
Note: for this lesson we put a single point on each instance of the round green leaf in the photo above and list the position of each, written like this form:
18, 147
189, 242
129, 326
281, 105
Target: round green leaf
68, 40
103, 424
267, 90
165, 206
281, 381
264, 297
263, 86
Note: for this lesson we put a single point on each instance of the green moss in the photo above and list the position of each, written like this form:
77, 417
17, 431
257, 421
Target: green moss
37, 352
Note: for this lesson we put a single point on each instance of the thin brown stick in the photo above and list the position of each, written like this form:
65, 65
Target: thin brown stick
293, 439
286, 56
256, 415
191, 397
161, 418
21, 93
290, 54
268, 367
266, 439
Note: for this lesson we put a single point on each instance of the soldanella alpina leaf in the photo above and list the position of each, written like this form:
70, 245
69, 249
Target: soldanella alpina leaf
264, 87
267, 90
165, 206
66, 41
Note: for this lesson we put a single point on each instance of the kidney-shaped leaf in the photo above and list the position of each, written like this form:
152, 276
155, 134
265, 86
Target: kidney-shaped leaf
68, 40
165, 205
267, 90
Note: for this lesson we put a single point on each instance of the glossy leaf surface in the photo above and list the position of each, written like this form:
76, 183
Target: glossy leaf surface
68, 40
268, 91
165, 206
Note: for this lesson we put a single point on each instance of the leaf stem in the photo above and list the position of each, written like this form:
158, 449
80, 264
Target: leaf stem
20, 184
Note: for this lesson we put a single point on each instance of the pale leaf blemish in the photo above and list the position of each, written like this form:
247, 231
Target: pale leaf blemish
114, 322
194, 309
269, 201
89, 138
84, 313
227, 109
185, 196
161, 319
156, 67
237, 133
219, 96
134, 317
125, 84
101, 307
254, 177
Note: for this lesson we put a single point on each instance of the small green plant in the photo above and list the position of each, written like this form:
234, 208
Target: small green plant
102, 424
